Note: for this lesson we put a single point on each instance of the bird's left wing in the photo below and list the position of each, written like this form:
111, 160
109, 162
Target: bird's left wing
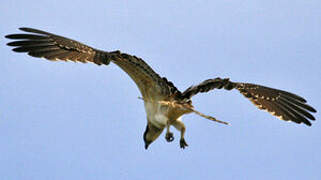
38, 43
284, 105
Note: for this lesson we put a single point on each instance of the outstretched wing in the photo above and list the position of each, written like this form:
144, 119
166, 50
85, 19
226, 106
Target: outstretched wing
39, 43
284, 105
54, 47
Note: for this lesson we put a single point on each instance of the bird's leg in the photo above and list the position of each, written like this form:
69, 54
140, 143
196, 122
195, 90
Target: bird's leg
179, 125
169, 135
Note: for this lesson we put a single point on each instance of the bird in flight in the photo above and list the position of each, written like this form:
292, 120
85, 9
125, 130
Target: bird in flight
164, 103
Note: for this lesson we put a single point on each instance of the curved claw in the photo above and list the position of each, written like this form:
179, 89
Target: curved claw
169, 137
183, 143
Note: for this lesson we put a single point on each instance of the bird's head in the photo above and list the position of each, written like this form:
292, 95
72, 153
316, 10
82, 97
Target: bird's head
151, 134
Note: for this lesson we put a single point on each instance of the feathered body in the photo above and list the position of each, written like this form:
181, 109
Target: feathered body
164, 103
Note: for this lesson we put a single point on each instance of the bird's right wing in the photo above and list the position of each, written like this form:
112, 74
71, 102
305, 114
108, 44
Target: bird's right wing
43, 44
284, 105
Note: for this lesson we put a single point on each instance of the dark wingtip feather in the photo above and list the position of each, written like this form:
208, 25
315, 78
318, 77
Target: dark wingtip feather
20, 49
308, 124
312, 109
11, 43
17, 50
295, 96
10, 36
26, 29
26, 36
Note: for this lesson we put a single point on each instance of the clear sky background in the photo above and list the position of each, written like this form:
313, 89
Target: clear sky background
65, 120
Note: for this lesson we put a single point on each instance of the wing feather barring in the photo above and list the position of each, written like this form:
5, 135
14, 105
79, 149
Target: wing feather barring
164, 103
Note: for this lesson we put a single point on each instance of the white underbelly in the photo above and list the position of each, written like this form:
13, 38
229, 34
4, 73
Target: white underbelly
156, 114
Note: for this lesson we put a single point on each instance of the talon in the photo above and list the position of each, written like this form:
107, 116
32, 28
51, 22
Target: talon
169, 137
183, 143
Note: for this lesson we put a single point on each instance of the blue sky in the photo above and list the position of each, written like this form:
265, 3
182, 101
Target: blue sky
63, 120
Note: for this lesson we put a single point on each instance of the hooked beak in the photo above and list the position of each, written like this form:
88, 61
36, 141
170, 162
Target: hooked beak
147, 145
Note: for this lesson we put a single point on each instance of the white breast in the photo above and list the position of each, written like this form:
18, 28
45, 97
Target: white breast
156, 114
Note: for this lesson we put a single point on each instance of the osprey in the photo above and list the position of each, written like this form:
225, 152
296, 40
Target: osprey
164, 103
